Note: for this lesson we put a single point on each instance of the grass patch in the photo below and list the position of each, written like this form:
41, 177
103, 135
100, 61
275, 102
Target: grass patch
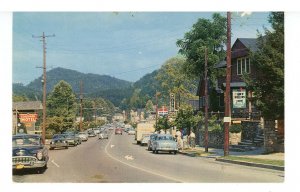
198, 152
256, 160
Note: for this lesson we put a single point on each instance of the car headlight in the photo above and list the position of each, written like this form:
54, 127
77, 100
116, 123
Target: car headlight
39, 155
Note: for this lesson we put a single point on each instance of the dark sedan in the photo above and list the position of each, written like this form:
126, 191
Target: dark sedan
28, 152
59, 141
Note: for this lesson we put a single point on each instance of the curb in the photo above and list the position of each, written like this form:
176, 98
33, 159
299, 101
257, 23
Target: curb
251, 164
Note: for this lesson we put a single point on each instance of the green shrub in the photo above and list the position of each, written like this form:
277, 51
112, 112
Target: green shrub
235, 128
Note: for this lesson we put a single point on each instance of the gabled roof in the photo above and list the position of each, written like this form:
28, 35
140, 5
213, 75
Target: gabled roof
27, 105
250, 43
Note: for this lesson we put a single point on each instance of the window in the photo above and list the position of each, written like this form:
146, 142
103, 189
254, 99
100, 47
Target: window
243, 66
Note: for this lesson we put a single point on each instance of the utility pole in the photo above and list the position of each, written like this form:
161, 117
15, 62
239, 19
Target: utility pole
206, 103
81, 98
156, 109
227, 92
44, 82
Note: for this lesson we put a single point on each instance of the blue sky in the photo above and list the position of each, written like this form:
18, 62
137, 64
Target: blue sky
125, 45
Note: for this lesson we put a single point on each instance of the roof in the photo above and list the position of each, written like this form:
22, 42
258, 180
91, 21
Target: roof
27, 105
250, 43
221, 64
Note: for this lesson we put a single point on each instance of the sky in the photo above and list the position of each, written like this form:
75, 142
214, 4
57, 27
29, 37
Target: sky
125, 45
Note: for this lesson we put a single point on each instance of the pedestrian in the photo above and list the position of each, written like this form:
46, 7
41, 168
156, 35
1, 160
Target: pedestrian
179, 139
192, 139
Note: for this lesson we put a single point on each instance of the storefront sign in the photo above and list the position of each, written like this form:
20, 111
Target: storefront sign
239, 98
27, 118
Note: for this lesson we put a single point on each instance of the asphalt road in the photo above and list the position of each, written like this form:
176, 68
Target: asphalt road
120, 160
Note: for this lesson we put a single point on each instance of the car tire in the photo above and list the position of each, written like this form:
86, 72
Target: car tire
66, 147
175, 152
51, 148
156, 151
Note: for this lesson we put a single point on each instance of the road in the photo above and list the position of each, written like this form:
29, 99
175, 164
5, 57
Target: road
120, 160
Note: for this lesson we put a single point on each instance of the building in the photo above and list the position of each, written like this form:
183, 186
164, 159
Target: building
25, 115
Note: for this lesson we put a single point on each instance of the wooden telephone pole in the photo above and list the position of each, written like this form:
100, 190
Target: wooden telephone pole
44, 82
81, 98
227, 92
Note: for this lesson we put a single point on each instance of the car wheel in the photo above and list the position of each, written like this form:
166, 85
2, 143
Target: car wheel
66, 147
175, 152
50, 148
156, 151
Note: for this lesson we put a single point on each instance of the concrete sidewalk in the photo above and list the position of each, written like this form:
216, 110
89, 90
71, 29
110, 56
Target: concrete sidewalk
217, 154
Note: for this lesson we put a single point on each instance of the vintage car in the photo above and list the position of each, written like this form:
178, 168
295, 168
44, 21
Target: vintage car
166, 143
151, 140
28, 152
83, 136
118, 131
72, 139
131, 131
91, 133
59, 141
145, 139
103, 134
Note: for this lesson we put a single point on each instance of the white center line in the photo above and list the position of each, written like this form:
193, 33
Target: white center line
54, 163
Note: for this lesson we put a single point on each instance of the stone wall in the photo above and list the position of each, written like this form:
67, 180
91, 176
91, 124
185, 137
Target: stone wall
270, 134
215, 139
250, 130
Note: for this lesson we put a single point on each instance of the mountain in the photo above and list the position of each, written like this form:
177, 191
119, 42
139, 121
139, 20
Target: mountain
109, 88
91, 82
148, 84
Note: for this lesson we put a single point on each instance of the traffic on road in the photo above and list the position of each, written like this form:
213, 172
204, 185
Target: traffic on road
119, 158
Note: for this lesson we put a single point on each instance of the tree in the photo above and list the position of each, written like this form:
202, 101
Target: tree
210, 34
163, 124
173, 80
268, 87
20, 98
185, 118
61, 107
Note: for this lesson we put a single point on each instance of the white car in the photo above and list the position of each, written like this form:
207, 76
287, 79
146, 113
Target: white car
166, 143
131, 132
83, 135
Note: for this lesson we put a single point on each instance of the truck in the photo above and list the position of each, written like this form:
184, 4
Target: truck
143, 128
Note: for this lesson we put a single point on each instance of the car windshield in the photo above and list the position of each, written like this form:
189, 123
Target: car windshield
26, 141
166, 137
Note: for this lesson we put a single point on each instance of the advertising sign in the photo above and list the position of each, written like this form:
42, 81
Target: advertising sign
239, 98
27, 118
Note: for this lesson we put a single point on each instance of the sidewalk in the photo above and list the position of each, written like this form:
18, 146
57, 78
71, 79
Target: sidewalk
218, 155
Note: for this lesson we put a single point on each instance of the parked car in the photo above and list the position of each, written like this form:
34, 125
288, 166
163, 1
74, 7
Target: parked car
83, 135
28, 152
151, 140
118, 131
72, 139
91, 133
103, 134
145, 140
131, 132
166, 143
59, 141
